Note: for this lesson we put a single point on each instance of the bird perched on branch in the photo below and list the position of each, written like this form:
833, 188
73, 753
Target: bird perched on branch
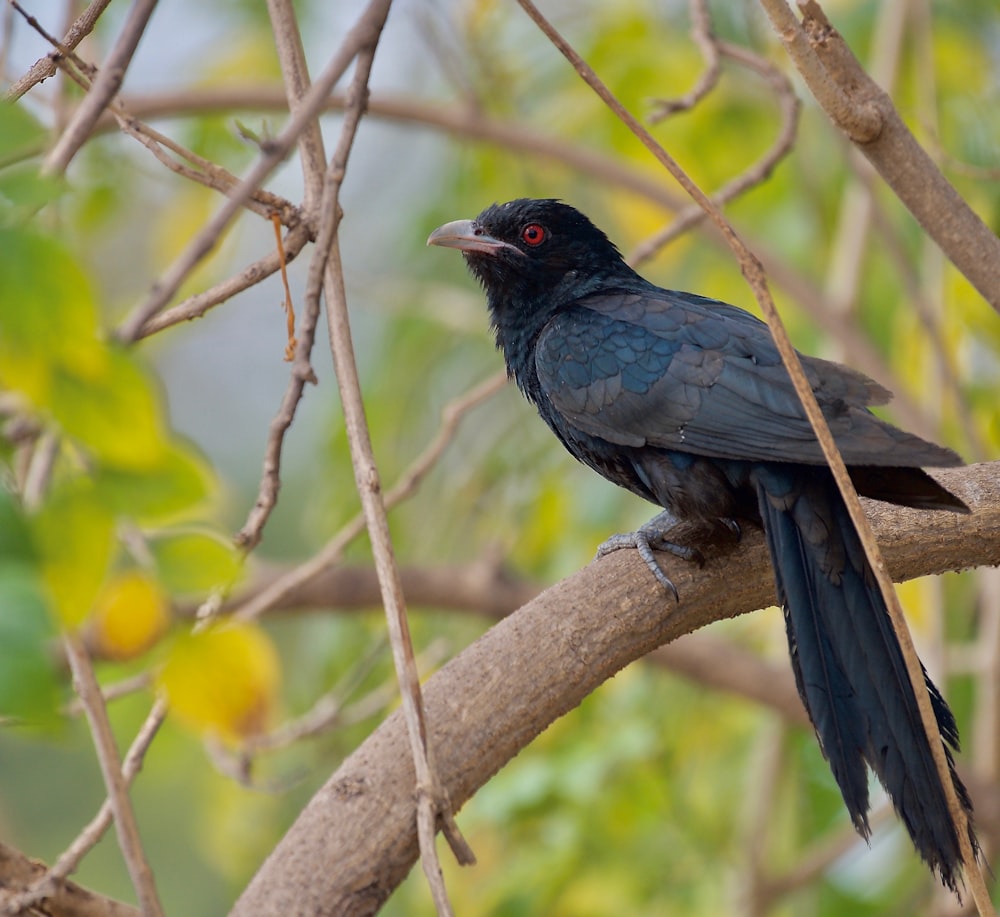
685, 401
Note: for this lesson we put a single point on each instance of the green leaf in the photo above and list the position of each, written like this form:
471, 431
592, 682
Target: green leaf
15, 536
194, 561
174, 483
22, 189
28, 683
20, 134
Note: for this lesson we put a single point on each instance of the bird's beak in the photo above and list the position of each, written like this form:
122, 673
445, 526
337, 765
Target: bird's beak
467, 236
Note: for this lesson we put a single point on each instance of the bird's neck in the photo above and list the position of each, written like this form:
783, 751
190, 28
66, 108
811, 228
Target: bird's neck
519, 313
517, 321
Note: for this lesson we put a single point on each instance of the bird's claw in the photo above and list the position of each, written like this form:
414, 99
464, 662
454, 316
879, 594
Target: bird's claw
645, 539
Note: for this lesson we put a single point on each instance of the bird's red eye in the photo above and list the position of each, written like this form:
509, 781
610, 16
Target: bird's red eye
533, 234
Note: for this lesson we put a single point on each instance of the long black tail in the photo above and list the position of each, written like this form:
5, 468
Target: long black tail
849, 667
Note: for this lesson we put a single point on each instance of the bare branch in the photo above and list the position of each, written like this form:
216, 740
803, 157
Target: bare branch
433, 808
295, 71
196, 306
287, 584
274, 152
45, 67
109, 78
65, 899
701, 32
114, 779
756, 173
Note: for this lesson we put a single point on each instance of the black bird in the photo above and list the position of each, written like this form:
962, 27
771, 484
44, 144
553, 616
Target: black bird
684, 401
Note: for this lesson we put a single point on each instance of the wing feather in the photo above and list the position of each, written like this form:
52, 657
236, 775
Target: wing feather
682, 372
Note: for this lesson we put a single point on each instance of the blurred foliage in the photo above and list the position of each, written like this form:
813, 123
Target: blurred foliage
641, 801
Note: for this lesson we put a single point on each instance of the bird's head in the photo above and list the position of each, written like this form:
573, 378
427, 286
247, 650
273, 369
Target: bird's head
537, 253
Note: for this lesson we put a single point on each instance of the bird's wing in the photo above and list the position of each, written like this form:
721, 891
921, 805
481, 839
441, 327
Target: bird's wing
683, 372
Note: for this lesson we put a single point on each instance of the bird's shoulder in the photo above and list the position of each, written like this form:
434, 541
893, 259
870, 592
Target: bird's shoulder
642, 334
658, 367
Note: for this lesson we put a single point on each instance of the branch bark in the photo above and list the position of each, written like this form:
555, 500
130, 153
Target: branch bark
537, 664
67, 899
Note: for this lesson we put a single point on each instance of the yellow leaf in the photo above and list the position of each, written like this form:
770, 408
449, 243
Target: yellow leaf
223, 680
131, 613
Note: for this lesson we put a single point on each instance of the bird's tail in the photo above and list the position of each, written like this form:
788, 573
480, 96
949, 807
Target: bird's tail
849, 666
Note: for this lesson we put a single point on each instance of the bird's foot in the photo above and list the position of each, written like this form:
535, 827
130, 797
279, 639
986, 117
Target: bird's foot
653, 536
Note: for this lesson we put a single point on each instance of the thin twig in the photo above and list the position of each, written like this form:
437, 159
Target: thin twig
271, 155
295, 76
111, 768
104, 89
198, 169
755, 174
408, 482
328, 709
287, 305
45, 67
197, 305
701, 32
39, 473
249, 536
201, 170
119, 689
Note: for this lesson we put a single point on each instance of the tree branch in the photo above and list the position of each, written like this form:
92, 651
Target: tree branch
494, 698
864, 112
103, 90
45, 67
66, 899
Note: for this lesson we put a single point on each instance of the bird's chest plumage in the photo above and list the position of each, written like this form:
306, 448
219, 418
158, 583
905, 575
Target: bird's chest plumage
580, 367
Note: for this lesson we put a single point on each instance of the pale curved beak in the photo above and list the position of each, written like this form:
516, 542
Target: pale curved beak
467, 236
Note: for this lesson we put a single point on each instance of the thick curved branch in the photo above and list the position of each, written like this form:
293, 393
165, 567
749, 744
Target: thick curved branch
494, 698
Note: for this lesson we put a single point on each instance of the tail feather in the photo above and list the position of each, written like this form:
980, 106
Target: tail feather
849, 666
